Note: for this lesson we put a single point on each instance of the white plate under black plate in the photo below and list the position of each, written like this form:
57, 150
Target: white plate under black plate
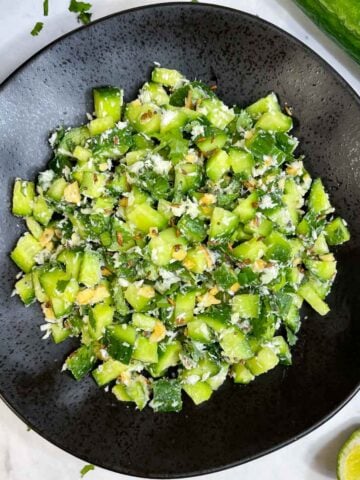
247, 58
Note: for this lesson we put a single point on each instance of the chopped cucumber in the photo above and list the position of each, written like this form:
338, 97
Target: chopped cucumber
177, 238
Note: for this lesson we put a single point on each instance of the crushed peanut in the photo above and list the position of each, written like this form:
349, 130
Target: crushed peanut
159, 332
235, 287
92, 295
146, 291
207, 199
48, 311
72, 193
46, 236
178, 252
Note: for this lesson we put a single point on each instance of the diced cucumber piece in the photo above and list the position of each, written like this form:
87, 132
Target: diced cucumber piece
23, 197
90, 270
153, 93
337, 232
265, 360
193, 229
34, 227
144, 322
247, 207
165, 245
184, 307
25, 289
235, 345
144, 118
197, 259
259, 226
172, 118
72, 138
139, 297
263, 105
167, 396
312, 298
120, 340
108, 102
101, 316
120, 393
118, 297
219, 378
25, 252
59, 333
93, 184
41, 210
320, 246
81, 361
213, 140
225, 277
241, 374
108, 371
138, 390
223, 223
241, 161
216, 112
72, 259
319, 202
81, 154
247, 305
217, 165
168, 357
199, 392
56, 189
145, 217
167, 77
274, 122
278, 247
285, 219
100, 125
39, 291
323, 270
250, 250
199, 331
187, 177
145, 351
61, 290
282, 349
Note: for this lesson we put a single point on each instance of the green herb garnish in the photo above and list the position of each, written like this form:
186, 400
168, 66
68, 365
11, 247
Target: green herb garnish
37, 29
86, 469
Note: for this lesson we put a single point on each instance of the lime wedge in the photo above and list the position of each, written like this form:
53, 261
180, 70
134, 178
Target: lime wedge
348, 462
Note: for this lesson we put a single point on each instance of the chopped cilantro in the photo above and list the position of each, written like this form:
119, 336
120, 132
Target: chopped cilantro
84, 17
82, 9
86, 469
37, 28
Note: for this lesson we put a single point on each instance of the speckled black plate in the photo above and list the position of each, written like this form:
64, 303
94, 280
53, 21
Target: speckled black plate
247, 58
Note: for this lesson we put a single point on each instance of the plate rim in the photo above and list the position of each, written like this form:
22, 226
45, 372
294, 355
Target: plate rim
356, 98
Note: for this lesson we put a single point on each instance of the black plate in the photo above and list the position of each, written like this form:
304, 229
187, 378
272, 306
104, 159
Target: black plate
247, 58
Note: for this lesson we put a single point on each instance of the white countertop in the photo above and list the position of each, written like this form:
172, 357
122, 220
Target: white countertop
24, 455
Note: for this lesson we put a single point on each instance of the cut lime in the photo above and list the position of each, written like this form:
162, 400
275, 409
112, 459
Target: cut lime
348, 462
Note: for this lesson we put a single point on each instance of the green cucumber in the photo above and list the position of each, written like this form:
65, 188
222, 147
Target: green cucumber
340, 20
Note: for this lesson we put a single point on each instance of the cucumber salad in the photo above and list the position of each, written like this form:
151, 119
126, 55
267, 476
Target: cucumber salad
177, 238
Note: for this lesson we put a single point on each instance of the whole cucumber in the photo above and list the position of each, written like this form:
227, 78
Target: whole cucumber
339, 18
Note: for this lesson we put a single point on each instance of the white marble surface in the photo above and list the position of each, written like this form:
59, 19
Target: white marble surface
25, 455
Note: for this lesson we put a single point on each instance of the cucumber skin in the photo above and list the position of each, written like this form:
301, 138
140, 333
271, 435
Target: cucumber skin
341, 22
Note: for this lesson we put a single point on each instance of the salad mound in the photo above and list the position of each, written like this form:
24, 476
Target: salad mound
177, 238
